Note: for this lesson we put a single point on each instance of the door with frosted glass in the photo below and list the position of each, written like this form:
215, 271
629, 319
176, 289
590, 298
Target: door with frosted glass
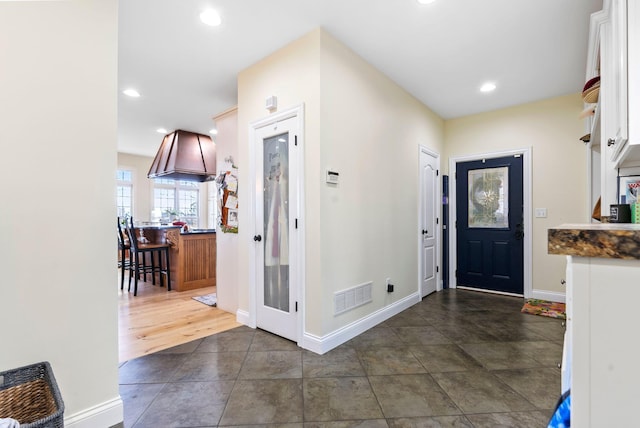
276, 177
489, 221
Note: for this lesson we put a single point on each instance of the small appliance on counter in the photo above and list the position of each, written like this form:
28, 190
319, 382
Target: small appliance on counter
620, 213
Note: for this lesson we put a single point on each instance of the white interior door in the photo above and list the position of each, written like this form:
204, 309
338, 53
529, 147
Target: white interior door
276, 203
429, 204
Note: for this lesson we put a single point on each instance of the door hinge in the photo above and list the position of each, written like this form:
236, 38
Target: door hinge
437, 172
296, 306
456, 273
295, 140
437, 269
296, 223
455, 224
437, 220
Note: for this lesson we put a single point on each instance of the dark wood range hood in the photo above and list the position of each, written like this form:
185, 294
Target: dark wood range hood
185, 155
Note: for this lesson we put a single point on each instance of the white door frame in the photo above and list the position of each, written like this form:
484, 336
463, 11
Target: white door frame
296, 251
437, 201
527, 201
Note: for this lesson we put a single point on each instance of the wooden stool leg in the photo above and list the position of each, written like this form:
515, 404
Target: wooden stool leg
122, 267
168, 269
144, 265
158, 268
137, 274
131, 272
153, 266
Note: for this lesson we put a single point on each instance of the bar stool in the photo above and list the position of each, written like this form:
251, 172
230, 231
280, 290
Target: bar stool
139, 267
124, 260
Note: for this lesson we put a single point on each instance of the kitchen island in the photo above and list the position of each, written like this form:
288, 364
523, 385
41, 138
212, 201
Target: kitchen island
601, 348
193, 259
192, 254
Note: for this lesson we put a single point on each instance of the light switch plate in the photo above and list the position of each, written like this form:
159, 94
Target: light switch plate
541, 213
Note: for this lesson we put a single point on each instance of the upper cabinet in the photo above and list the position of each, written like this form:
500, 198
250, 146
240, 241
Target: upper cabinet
614, 56
615, 45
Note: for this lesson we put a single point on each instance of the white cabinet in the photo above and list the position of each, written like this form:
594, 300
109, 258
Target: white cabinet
622, 129
614, 55
602, 346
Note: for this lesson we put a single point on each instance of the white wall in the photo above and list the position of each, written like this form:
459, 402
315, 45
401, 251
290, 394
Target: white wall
362, 124
552, 129
58, 86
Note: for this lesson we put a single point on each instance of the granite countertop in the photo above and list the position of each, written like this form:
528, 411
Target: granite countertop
606, 240
155, 226
198, 231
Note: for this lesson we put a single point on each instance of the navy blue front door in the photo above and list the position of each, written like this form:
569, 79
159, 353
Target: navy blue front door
489, 224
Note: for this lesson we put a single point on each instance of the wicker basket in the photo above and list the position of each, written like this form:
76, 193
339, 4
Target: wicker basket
30, 395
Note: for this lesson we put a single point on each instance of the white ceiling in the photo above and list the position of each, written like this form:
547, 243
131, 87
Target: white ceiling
441, 53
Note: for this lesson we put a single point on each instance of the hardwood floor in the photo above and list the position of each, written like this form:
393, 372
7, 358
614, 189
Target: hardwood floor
156, 319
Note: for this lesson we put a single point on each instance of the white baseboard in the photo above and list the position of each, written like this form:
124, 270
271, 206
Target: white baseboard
554, 296
107, 414
243, 317
323, 344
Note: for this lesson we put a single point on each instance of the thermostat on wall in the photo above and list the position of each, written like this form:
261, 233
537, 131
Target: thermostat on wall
332, 177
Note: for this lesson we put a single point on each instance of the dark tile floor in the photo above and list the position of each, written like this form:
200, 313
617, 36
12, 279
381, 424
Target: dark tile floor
457, 359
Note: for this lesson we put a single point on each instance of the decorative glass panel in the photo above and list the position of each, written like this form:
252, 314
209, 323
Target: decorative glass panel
276, 222
488, 197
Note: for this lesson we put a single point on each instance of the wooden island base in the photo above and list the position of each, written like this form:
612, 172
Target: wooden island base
193, 259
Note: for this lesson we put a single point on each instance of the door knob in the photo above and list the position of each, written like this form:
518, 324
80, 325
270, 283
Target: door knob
257, 238
425, 232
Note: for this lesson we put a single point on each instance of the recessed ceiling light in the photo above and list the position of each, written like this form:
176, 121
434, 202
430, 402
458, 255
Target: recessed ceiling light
425, 1
131, 93
488, 87
214, 131
161, 131
211, 17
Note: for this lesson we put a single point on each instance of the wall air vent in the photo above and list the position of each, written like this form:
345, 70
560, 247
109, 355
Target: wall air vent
345, 300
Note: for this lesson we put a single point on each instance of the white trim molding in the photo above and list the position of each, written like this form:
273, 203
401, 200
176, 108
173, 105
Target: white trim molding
321, 345
107, 414
527, 183
244, 317
553, 296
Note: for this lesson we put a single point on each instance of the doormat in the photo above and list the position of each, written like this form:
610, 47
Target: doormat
545, 308
207, 299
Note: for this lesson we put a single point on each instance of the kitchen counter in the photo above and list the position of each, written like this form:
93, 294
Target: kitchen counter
600, 354
606, 240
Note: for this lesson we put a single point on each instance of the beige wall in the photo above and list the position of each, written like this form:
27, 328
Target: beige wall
227, 243
59, 129
371, 130
559, 161
360, 123
142, 187
293, 75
